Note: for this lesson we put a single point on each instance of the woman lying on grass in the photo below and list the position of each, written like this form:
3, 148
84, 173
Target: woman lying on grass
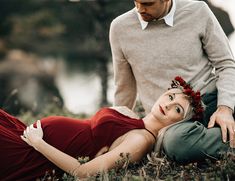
111, 131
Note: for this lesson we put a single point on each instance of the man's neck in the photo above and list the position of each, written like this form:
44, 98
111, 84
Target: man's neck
168, 8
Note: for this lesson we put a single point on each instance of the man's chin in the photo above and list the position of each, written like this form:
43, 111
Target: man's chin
147, 18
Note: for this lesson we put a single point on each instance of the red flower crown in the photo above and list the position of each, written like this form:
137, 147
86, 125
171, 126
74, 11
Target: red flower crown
195, 97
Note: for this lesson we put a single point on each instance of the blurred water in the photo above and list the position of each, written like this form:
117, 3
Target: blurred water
81, 92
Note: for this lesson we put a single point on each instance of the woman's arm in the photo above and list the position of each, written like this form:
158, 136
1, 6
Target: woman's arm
137, 147
59, 158
135, 144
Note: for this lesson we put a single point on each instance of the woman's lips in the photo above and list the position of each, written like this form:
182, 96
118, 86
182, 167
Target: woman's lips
161, 110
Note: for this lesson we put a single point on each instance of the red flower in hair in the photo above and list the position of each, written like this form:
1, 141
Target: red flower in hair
198, 109
188, 91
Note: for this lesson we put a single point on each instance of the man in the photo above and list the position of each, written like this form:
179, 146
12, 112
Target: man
160, 39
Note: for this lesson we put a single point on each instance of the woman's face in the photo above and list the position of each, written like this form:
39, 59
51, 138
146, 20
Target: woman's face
170, 107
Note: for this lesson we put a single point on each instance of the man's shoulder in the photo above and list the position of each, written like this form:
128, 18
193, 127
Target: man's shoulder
192, 6
126, 17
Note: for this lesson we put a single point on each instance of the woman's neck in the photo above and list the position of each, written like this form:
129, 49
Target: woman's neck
152, 124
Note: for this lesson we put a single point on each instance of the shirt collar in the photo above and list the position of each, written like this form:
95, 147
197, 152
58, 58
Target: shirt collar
169, 18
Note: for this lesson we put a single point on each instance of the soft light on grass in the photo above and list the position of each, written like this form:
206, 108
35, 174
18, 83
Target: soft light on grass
150, 168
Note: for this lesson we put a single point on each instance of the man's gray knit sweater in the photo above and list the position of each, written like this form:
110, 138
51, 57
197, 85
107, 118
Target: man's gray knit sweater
195, 48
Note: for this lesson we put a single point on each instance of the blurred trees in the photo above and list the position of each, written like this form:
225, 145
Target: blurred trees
76, 32
27, 84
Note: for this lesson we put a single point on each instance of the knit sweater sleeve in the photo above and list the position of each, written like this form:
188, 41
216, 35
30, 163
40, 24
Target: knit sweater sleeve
125, 83
216, 46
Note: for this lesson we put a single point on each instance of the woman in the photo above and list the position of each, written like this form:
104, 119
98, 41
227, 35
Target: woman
103, 137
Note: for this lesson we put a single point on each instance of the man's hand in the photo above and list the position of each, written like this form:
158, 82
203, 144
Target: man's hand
33, 135
223, 116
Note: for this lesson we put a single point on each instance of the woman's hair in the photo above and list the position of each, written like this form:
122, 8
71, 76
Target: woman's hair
194, 111
196, 106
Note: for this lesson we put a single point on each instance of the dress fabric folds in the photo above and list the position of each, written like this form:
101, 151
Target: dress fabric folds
19, 161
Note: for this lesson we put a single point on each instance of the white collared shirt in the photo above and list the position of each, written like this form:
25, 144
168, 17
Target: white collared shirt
169, 18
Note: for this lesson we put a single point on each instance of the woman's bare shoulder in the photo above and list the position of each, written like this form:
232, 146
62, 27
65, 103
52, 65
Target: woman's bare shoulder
126, 111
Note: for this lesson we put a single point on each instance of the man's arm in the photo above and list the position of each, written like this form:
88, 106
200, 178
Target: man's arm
125, 83
216, 46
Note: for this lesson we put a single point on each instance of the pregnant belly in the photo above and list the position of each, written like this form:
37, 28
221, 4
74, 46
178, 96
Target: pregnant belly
72, 136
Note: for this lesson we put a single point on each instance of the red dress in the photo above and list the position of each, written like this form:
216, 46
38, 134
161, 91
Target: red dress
19, 161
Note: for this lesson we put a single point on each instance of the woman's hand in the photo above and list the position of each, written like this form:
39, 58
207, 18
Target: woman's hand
32, 135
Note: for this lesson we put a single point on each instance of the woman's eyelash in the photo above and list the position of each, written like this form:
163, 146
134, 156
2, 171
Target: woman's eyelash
178, 110
171, 97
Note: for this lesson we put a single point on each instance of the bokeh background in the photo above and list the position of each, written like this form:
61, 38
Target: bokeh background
57, 52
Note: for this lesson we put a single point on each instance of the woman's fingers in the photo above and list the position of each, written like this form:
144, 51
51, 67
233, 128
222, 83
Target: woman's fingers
32, 135
24, 134
31, 127
27, 132
24, 138
39, 124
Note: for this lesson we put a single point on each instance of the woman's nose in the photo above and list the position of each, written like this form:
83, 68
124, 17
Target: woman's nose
168, 105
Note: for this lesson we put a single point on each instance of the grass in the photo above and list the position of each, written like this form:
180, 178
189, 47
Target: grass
152, 167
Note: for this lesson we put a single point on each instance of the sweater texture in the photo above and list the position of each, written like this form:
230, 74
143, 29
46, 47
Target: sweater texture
195, 48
